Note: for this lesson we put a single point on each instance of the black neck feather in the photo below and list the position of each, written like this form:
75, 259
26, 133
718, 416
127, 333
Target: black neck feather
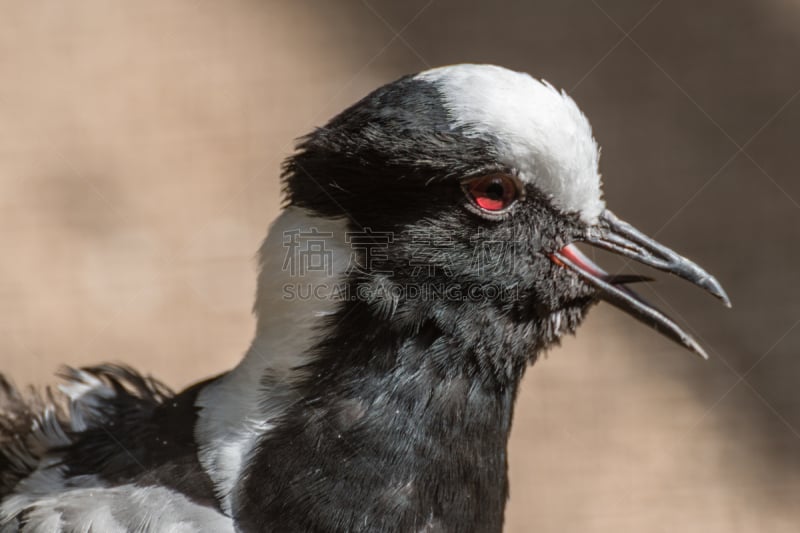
397, 426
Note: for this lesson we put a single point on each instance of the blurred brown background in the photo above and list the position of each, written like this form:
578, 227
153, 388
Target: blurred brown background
139, 153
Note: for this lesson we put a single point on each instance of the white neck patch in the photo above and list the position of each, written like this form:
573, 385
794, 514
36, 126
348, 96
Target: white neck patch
541, 132
240, 407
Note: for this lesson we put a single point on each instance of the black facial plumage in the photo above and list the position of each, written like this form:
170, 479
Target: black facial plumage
394, 163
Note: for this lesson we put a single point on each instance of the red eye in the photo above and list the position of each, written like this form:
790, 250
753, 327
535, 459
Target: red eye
494, 192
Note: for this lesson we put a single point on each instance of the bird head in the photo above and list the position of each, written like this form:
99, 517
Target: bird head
471, 184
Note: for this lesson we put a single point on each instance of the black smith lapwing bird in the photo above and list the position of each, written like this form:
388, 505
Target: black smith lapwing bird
424, 257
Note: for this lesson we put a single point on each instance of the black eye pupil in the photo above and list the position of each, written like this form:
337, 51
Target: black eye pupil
495, 191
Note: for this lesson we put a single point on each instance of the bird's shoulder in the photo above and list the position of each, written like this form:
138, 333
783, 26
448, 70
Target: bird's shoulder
107, 428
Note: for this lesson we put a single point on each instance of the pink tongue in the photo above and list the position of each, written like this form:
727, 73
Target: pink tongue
571, 252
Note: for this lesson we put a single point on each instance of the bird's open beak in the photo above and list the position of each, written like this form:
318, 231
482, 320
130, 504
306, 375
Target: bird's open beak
616, 236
